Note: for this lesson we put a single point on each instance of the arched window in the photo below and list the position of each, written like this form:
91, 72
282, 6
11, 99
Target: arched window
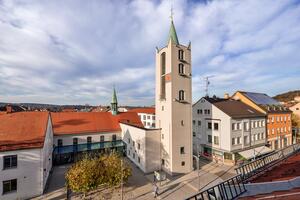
181, 68
181, 95
180, 54
163, 63
162, 78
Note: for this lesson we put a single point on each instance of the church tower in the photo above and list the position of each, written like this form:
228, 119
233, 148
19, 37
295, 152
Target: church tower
173, 102
114, 103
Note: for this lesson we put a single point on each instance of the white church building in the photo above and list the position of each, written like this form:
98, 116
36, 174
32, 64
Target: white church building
30, 142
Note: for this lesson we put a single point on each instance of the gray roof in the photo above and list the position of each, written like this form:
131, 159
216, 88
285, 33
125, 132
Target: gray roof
235, 108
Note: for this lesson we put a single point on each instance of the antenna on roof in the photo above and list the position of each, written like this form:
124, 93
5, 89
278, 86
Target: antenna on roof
207, 83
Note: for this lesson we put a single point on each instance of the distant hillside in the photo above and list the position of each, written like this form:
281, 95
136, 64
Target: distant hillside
288, 96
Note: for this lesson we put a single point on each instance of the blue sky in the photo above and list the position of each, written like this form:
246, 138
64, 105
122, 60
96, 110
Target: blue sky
73, 52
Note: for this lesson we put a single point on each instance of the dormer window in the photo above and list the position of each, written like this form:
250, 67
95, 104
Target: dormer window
181, 69
181, 95
180, 54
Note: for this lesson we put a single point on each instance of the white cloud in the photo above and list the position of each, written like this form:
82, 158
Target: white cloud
73, 52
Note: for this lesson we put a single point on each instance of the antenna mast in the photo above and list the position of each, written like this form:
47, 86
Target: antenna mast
207, 83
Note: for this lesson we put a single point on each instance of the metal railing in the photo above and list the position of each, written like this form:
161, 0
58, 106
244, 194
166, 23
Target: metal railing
227, 190
263, 163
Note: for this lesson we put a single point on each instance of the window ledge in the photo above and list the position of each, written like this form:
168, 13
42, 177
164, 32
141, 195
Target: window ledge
185, 75
182, 101
8, 168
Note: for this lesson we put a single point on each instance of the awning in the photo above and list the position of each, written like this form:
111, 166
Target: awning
255, 151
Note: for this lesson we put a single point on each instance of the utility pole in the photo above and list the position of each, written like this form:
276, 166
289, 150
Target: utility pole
121, 178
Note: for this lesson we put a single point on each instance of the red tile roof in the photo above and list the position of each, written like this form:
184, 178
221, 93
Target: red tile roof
149, 110
22, 130
65, 123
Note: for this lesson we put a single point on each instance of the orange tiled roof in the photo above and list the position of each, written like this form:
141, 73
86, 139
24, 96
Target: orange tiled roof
22, 130
149, 110
65, 123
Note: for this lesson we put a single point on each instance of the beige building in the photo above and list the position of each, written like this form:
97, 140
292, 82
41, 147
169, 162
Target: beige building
174, 104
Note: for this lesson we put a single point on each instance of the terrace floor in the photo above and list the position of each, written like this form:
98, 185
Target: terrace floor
288, 169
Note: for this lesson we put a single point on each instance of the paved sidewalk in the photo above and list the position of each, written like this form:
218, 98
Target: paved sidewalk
140, 186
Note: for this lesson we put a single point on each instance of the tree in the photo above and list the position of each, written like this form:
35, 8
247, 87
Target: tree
92, 172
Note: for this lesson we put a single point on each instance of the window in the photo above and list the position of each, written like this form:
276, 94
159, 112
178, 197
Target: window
207, 111
181, 68
233, 141
209, 139
246, 126
162, 162
199, 123
9, 186
194, 122
216, 126
144, 117
114, 137
129, 152
163, 63
89, 139
153, 125
199, 111
246, 139
238, 140
148, 123
162, 108
133, 143
272, 119
181, 150
180, 54
59, 142
238, 126
133, 155
148, 117
182, 123
153, 117
10, 161
216, 140
139, 159
139, 146
233, 126
194, 134
75, 141
209, 125
182, 163
162, 79
181, 95
102, 139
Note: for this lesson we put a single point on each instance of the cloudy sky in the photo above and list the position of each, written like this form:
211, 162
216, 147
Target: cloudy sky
73, 52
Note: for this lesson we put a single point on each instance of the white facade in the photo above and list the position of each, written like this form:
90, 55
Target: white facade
32, 171
147, 119
222, 135
143, 147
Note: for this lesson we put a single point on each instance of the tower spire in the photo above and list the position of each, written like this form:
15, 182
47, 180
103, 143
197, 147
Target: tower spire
172, 33
114, 103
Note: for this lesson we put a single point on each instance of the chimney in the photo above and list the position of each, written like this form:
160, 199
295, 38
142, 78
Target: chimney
226, 96
9, 108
